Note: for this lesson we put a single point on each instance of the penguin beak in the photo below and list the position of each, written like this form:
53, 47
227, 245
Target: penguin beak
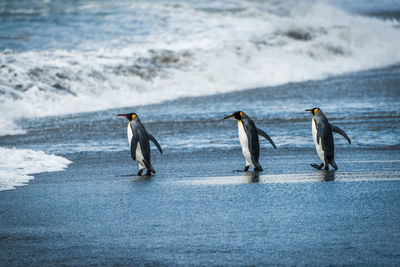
309, 110
230, 116
123, 115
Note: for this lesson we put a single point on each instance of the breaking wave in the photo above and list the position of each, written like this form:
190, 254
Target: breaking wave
163, 51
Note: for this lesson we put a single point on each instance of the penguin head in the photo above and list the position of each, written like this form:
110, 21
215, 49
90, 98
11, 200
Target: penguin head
237, 115
313, 110
129, 116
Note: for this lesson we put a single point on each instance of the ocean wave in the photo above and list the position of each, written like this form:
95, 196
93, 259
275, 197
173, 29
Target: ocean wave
192, 50
18, 165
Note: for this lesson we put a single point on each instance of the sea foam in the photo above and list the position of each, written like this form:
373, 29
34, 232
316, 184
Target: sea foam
17, 166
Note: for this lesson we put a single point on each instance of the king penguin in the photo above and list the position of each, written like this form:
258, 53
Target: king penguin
139, 142
323, 138
248, 136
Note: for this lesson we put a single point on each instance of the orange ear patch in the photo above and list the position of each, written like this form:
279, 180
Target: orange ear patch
315, 110
241, 114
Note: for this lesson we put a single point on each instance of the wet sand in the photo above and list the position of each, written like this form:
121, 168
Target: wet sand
201, 211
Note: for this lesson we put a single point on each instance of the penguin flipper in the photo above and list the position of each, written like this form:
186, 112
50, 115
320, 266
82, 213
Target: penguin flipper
266, 136
152, 139
341, 132
134, 142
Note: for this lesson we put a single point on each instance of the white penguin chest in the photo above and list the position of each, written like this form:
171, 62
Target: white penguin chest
138, 153
129, 133
244, 142
318, 146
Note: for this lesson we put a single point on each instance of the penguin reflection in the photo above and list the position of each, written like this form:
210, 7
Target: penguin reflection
253, 177
327, 176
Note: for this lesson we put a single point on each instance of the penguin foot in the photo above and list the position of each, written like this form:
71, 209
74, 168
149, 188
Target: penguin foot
246, 168
334, 165
148, 172
326, 167
140, 172
258, 169
318, 167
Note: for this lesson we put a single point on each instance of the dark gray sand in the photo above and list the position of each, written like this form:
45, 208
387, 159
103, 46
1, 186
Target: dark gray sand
199, 209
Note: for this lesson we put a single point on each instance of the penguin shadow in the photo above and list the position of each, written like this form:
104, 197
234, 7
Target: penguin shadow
137, 178
252, 177
327, 175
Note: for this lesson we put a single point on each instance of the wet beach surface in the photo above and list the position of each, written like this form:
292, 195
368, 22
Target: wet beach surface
200, 208
94, 213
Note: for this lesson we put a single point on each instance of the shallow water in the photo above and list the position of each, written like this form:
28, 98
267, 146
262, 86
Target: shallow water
366, 105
